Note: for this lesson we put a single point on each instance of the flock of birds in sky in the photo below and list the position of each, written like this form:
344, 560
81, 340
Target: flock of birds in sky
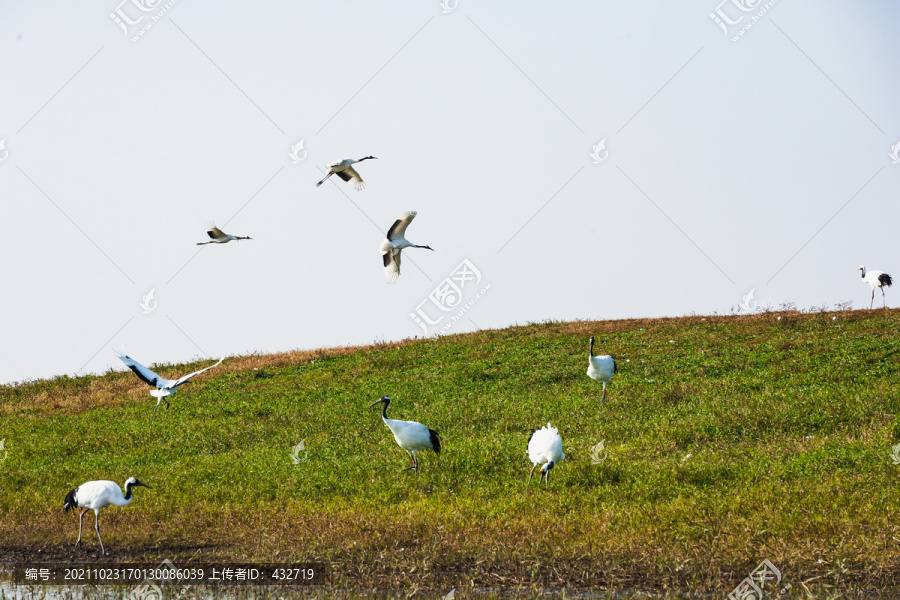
390, 248
544, 446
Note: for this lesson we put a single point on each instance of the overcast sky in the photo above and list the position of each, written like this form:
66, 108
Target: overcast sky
739, 146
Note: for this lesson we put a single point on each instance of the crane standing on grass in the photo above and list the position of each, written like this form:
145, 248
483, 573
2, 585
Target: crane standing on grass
544, 446
95, 495
601, 368
876, 279
410, 436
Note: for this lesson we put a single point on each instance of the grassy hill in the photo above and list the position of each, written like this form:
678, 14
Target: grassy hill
730, 440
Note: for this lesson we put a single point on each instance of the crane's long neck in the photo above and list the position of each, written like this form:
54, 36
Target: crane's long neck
592, 348
126, 499
384, 407
863, 272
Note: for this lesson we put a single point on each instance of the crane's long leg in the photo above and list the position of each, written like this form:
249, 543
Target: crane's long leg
883, 301
97, 527
873, 299
414, 462
603, 397
323, 180
80, 519
531, 474
160, 399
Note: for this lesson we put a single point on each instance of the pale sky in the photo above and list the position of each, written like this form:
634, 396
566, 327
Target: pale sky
757, 164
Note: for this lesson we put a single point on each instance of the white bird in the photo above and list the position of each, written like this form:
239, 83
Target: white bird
344, 169
544, 446
410, 436
601, 368
395, 243
876, 279
164, 387
95, 495
220, 237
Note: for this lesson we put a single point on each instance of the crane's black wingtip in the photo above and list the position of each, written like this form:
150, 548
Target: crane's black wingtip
70, 500
435, 441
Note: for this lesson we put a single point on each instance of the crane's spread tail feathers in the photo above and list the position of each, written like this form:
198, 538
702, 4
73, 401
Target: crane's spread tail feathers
435, 441
70, 500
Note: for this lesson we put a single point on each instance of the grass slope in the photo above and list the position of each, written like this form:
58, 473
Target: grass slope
730, 439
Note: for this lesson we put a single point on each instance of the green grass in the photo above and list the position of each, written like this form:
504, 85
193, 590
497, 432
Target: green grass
788, 422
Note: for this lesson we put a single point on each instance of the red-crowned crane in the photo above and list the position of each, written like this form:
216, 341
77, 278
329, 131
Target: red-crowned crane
344, 169
95, 495
395, 243
601, 368
876, 279
220, 237
164, 387
410, 436
544, 446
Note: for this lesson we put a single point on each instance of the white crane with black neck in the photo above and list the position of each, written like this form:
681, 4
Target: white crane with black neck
601, 368
96, 495
410, 436
344, 169
876, 279
220, 237
395, 243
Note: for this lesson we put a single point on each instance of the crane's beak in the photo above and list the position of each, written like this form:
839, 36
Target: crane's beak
139, 484
379, 401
